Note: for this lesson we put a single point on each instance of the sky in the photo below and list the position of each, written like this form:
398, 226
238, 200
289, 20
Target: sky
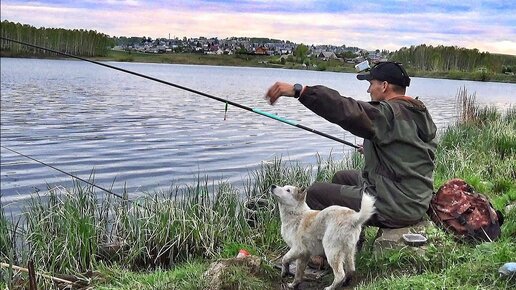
486, 25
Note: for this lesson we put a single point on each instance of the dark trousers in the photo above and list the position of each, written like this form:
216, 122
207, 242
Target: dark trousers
321, 195
346, 190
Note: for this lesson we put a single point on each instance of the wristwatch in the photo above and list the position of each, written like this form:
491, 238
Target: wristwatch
297, 90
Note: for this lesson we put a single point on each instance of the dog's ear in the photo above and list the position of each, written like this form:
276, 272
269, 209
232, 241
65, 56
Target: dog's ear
301, 193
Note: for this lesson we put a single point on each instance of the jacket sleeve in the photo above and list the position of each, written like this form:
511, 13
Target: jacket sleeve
357, 117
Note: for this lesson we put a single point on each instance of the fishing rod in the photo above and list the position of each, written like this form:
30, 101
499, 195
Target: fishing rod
254, 110
64, 172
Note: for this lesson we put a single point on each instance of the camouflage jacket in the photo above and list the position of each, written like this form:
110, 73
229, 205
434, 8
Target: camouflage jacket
399, 147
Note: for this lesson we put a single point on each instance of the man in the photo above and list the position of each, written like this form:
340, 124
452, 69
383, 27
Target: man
398, 147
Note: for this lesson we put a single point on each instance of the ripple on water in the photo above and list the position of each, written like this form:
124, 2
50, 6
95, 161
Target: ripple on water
147, 136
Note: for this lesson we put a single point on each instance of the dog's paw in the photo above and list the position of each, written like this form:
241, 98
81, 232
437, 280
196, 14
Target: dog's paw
284, 270
347, 281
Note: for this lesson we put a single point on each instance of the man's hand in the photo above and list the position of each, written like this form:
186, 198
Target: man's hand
360, 149
277, 90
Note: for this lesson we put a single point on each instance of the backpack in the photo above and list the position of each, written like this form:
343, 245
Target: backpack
468, 215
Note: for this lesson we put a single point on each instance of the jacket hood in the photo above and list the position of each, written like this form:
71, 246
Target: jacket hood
420, 115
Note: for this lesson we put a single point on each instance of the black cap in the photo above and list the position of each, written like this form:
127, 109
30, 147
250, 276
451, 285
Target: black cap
391, 72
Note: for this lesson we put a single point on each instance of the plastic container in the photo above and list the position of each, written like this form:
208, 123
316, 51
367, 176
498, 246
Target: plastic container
414, 240
362, 66
508, 269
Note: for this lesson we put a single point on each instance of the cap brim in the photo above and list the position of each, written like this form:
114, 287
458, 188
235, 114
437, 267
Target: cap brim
366, 77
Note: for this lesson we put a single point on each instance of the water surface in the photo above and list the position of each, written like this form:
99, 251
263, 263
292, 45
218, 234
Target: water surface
145, 135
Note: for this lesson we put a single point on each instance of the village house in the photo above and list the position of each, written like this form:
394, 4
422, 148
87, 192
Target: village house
260, 46
327, 55
261, 50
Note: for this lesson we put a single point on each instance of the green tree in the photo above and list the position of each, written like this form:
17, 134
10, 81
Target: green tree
301, 52
347, 54
78, 42
450, 58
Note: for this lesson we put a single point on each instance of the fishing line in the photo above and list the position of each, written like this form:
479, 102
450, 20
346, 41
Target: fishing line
64, 172
254, 110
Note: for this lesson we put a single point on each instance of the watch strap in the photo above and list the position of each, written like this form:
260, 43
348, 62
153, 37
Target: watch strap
297, 90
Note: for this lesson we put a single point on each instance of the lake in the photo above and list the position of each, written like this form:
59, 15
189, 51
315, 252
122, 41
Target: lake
146, 136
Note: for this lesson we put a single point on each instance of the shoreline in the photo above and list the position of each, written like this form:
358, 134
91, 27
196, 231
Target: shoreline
264, 61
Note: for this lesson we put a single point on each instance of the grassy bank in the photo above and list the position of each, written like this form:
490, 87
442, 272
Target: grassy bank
187, 58
275, 62
462, 75
246, 60
167, 240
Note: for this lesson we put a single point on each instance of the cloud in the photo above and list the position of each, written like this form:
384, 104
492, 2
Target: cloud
486, 25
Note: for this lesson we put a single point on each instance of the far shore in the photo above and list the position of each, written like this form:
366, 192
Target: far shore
248, 60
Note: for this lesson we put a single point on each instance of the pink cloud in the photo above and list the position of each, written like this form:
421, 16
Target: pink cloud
367, 30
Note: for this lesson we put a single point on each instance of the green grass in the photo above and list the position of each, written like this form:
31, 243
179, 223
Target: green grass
189, 58
167, 240
184, 277
247, 60
274, 62
465, 75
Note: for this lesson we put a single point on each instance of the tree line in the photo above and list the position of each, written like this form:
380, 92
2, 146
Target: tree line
452, 58
77, 41
92, 43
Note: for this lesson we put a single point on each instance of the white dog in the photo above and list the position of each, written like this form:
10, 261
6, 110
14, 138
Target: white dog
332, 232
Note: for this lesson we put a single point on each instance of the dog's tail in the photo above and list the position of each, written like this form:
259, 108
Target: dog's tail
367, 209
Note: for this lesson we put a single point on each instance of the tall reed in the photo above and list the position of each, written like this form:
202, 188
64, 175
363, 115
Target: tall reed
5, 243
194, 223
72, 230
480, 147
6, 246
